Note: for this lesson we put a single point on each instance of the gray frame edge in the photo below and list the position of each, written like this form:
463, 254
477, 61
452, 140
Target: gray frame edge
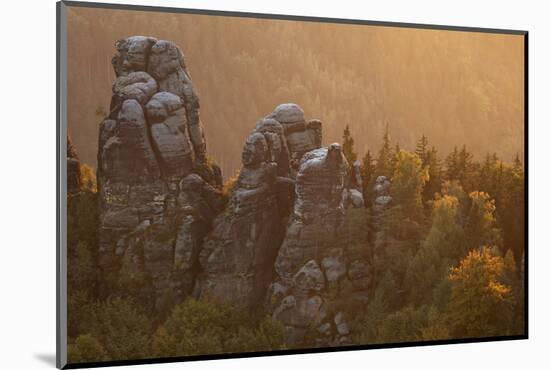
288, 17
61, 188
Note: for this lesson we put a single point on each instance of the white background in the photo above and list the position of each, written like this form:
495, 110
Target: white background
27, 183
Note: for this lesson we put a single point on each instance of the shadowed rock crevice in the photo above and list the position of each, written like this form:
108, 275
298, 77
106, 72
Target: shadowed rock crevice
238, 255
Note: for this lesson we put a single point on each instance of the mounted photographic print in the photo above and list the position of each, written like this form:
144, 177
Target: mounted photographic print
236, 184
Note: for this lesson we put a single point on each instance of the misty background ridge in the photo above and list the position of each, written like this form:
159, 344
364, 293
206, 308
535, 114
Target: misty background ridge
455, 87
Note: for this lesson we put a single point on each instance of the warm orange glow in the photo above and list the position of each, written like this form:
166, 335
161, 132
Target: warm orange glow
455, 87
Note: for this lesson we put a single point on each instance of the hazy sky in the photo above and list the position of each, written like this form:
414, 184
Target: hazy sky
455, 87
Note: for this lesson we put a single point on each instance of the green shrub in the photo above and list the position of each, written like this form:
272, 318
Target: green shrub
86, 349
202, 327
121, 326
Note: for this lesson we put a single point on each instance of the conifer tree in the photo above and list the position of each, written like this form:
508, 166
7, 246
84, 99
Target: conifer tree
435, 176
467, 170
451, 165
481, 227
347, 146
504, 183
394, 159
443, 247
385, 156
485, 174
408, 183
367, 168
511, 216
460, 166
422, 149
429, 159
367, 174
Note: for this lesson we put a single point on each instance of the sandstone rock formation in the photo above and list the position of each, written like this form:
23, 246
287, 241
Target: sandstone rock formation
382, 198
382, 201
158, 192
301, 136
318, 274
290, 236
353, 194
356, 181
238, 255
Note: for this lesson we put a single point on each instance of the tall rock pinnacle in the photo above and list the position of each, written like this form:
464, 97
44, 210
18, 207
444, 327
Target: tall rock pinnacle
158, 192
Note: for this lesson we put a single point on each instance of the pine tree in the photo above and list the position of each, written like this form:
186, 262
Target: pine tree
367, 173
431, 162
481, 227
485, 174
379, 305
451, 165
347, 146
395, 156
367, 168
408, 183
385, 156
443, 247
504, 183
460, 166
435, 176
422, 149
510, 274
466, 170
512, 215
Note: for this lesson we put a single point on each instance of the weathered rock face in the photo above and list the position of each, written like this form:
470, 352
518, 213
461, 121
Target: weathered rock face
237, 256
318, 274
353, 195
381, 192
158, 193
73, 169
356, 181
301, 136
170, 135
382, 201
